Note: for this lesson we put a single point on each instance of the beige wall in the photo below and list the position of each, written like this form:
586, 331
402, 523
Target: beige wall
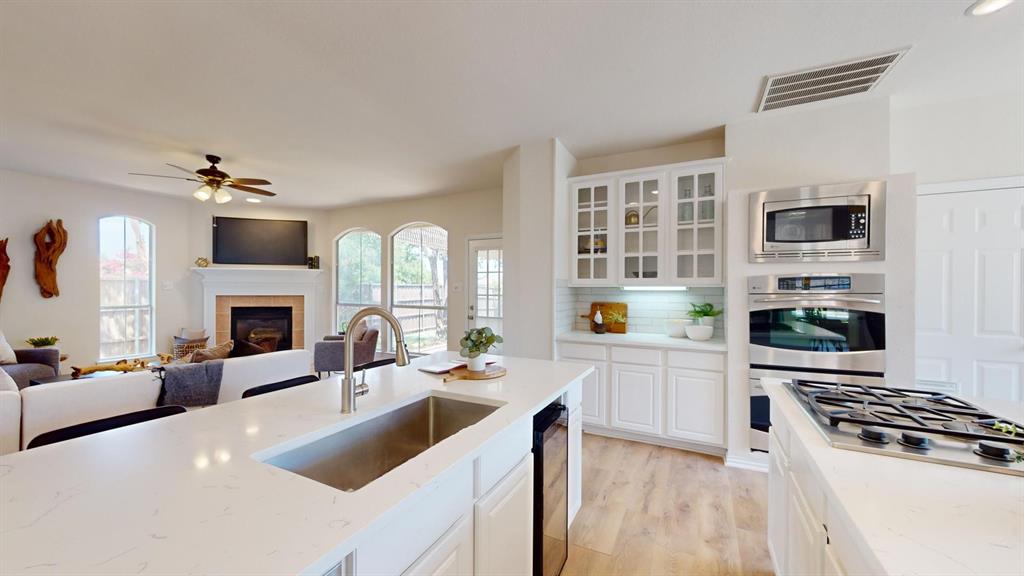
980, 137
682, 152
27, 202
463, 215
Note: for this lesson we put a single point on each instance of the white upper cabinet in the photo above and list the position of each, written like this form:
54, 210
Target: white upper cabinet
642, 236
592, 225
695, 257
656, 227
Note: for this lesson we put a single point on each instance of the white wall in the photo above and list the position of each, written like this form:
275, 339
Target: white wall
981, 137
703, 149
463, 215
817, 145
27, 201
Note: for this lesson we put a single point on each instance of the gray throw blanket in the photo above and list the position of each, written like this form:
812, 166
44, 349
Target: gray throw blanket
191, 384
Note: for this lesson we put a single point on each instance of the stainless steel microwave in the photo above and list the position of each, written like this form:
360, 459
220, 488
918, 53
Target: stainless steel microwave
834, 222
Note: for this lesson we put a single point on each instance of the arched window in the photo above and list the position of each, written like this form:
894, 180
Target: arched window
126, 288
419, 286
358, 280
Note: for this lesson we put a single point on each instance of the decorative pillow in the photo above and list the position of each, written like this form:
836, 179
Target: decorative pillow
359, 331
7, 384
6, 352
245, 348
216, 353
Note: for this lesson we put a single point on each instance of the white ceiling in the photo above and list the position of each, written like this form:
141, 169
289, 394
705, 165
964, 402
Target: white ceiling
342, 103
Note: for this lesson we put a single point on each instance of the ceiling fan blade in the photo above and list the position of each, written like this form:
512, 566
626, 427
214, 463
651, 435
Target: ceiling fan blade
162, 176
251, 190
250, 181
185, 170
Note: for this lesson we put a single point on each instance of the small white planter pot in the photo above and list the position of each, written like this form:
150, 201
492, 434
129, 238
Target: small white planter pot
707, 321
478, 364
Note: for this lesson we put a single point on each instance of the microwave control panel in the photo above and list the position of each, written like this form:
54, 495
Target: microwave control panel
858, 221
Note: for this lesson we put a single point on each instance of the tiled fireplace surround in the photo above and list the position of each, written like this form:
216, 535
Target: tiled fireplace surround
226, 303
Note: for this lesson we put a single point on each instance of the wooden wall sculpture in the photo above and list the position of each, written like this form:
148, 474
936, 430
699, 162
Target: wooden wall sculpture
51, 240
5, 266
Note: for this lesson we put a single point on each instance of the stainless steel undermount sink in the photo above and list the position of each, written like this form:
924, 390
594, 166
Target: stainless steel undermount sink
356, 456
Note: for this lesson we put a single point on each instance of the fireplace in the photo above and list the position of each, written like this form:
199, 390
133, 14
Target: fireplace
269, 327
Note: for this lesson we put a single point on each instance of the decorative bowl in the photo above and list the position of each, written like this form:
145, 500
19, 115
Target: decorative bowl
676, 327
696, 332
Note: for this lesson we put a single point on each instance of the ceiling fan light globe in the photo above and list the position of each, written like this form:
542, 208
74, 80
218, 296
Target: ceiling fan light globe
203, 193
222, 196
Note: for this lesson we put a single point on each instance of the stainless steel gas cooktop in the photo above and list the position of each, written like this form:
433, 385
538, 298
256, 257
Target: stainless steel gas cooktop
913, 424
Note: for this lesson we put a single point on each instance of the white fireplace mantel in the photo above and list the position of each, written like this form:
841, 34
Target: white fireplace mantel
259, 281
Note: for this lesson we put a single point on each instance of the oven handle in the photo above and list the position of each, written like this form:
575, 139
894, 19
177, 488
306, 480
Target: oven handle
818, 299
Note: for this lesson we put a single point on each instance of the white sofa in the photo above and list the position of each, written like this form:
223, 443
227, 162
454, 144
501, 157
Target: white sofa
60, 404
10, 414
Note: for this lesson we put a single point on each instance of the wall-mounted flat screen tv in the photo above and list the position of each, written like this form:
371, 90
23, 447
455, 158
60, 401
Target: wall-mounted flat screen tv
252, 241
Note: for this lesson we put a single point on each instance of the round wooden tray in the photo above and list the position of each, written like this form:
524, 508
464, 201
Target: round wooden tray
491, 372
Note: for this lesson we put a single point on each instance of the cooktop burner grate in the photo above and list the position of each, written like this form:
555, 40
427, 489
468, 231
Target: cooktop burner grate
903, 409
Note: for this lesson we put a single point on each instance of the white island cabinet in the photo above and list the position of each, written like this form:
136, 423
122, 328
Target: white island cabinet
838, 512
652, 388
215, 503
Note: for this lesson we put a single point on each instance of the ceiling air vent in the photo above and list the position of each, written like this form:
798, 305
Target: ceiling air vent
826, 82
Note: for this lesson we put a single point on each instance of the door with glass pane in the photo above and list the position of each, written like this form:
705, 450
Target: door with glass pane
486, 286
641, 238
696, 231
592, 204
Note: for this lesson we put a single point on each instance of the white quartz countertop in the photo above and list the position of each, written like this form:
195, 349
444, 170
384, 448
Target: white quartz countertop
716, 344
918, 517
184, 494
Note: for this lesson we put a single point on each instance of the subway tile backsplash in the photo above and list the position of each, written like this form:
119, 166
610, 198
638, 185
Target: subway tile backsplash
647, 310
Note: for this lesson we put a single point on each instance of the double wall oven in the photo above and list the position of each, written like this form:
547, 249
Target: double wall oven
817, 326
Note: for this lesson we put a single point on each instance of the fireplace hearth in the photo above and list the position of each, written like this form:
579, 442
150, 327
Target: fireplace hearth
269, 327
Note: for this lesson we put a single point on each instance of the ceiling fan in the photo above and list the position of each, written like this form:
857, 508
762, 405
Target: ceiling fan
215, 182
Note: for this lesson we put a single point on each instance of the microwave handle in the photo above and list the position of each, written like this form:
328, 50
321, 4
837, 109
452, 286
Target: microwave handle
819, 297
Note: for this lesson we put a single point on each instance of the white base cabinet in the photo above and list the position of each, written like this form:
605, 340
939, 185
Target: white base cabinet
452, 555
504, 525
663, 396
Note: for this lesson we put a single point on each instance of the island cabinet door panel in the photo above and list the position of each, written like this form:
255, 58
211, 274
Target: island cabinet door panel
636, 398
575, 463
595, 396
452, 555
832, 565
805, 536
696, 405
504, 525
778, 504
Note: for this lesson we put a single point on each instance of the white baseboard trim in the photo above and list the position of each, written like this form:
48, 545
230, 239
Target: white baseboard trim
756, 461
656, 440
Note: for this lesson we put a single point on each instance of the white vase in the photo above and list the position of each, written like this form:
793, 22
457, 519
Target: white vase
707, 320
478, 364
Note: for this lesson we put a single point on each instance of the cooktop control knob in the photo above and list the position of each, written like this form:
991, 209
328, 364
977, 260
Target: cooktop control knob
874, 434
994, 450
915, 440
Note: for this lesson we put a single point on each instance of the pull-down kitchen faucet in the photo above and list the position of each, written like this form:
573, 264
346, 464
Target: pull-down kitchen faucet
349, 390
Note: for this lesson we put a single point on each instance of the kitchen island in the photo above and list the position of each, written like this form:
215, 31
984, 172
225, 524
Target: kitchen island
193, 493
836, 511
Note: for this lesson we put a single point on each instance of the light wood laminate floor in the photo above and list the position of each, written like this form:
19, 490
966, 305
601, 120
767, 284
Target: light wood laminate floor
660, 511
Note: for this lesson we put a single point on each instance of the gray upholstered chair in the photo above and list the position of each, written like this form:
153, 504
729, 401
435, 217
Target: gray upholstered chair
33, 363
329, 355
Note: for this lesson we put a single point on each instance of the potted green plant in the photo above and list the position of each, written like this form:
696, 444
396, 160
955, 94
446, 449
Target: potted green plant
474, 346
43, 341
615, 317
704, 314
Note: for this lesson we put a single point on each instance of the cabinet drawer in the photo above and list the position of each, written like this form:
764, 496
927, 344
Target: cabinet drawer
502, 454
582, 351
696, 360
646, 356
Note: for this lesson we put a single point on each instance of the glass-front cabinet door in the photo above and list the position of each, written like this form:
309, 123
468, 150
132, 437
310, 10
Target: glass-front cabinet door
591, 216
696, 230
640, 201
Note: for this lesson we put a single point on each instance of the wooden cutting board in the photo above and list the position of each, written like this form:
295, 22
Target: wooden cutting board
492, 371
606, 307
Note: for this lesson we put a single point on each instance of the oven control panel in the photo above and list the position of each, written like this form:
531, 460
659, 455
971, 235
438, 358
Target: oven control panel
813, 283
849, 283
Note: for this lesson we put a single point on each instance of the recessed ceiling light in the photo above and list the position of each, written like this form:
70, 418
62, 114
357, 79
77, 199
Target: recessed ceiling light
253, 200
985, 7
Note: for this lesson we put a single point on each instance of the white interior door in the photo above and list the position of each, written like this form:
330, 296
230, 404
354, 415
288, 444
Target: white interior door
485, 298
970, 253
